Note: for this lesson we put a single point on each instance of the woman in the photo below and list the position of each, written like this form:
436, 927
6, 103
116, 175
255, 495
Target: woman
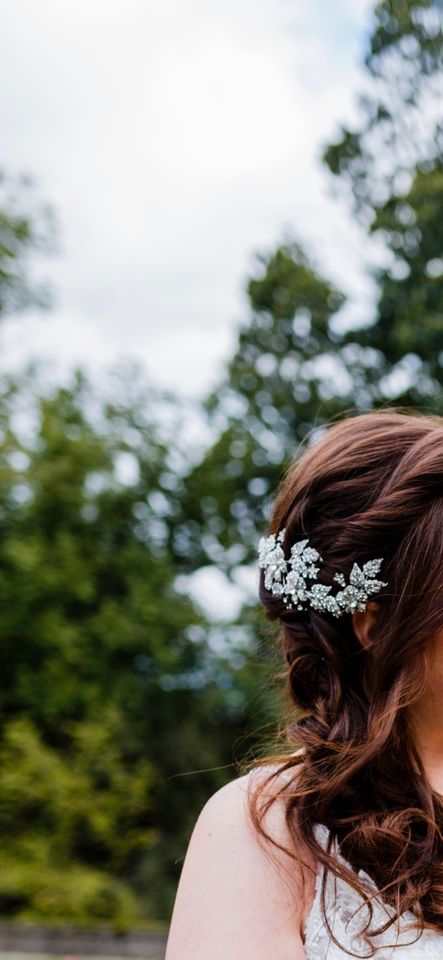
336, 848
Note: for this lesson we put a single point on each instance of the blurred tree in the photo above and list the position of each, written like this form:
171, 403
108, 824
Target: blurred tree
110, 695
400, 124
393, 167
288, 375
26, 228
408, 330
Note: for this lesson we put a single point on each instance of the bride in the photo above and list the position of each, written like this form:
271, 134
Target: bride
335, 849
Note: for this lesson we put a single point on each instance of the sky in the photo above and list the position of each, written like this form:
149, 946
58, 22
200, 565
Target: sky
175, 141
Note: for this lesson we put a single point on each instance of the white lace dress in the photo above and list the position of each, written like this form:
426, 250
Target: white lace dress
346, 917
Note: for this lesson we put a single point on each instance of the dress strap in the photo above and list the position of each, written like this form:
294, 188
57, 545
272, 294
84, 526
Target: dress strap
314, 930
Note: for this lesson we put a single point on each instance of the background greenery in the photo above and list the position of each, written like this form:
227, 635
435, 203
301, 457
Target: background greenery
122, 706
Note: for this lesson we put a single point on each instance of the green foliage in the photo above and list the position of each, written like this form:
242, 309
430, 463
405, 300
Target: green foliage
393, 166
289, 374
400, 117
110, 694
409, 325
51, 811
26, 229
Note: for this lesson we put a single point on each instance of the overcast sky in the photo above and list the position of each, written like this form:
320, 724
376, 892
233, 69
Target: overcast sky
175, 139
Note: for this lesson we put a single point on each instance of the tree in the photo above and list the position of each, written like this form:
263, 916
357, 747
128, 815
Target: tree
289, 374
26, 228
400, 125
110, 694
393, 167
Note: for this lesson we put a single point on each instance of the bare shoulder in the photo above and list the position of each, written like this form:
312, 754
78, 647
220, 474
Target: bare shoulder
234, 900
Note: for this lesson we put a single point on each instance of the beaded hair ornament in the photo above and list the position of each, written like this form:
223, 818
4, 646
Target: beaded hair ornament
288, 578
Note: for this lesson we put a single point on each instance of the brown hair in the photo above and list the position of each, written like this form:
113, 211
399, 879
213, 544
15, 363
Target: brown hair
371, 486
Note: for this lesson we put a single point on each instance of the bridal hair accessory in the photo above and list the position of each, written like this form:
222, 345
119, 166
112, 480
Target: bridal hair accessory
287, 578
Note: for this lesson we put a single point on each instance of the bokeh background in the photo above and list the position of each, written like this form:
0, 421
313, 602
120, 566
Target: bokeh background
220, 226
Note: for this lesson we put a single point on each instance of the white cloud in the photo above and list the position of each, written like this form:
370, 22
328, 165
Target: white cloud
211, 590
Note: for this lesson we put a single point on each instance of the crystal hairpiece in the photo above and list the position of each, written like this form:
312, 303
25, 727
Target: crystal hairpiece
288, 578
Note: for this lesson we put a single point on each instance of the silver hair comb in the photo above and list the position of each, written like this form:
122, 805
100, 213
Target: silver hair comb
288, 578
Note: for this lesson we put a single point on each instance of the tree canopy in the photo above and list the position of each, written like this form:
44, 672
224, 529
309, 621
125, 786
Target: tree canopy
27, 228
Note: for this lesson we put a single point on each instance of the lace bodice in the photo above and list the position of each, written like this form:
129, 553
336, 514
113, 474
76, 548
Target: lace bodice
346, 916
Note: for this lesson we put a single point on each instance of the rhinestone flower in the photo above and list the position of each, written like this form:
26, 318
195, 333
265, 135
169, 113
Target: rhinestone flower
287, 578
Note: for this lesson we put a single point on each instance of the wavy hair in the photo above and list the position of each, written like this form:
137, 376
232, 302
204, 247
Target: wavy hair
371, 486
